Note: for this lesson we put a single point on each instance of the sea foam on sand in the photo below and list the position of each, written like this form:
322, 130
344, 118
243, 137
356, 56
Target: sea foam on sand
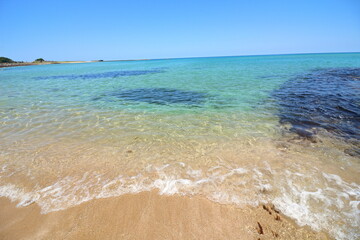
328, 204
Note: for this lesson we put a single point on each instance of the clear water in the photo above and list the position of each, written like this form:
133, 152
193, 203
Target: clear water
221, 127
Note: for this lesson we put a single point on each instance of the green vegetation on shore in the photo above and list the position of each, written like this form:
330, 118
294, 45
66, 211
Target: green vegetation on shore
6, 60
39, 60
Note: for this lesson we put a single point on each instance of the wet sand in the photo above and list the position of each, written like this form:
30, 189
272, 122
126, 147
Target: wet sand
148, 215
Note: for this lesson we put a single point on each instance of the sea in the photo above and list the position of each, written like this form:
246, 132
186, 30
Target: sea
243, 130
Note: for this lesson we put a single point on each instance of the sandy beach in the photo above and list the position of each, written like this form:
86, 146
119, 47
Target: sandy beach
148, 215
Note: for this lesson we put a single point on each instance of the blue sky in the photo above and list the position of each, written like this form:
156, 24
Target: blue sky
137, 29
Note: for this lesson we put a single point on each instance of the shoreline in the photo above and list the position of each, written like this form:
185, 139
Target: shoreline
148, 215
5, 65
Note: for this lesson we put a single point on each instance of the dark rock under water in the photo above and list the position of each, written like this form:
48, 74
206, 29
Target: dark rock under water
112, 74
322, 99
162, 96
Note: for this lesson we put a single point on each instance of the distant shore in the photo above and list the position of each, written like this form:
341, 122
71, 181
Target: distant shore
19, 64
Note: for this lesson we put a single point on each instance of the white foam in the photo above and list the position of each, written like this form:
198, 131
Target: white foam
15, 194
328, 208
170, 186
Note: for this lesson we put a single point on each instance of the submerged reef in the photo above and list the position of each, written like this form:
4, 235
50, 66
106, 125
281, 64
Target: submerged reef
162, 96
322, 99
112, 74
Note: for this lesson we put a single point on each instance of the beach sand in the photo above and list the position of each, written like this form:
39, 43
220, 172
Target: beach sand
148, 215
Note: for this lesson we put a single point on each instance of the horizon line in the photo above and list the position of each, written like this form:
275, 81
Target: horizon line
246, 55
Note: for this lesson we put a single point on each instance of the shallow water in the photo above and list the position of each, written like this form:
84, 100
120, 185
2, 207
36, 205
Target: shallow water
240, 130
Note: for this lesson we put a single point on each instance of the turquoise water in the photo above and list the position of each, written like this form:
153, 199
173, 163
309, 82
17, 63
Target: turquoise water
213, 126
234, 88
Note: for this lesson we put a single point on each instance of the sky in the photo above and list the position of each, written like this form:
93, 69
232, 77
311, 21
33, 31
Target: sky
147, 29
